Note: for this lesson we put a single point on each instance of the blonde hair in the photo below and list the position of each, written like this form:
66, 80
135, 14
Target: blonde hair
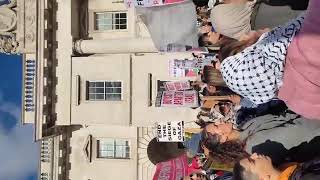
231, 47
212, 76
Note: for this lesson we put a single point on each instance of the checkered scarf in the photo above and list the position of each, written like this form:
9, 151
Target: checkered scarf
257, 72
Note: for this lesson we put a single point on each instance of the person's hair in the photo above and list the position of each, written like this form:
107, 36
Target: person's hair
200, 122
206, 23
231, 47
199, 20
203, 40
220, 91
204, 14
228, 152
240, 173
212, 76
200, 3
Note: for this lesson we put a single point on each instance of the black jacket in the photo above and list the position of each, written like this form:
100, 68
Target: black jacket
307, 171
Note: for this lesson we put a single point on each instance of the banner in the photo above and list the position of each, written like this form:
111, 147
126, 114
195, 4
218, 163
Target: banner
177, 99
149, 3
170, 131
174, 169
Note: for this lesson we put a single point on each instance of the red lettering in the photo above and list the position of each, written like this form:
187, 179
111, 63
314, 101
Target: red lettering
178, 101
167, 98
189, 98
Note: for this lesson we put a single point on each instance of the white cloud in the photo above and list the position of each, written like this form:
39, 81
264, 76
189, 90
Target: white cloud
11, 109
18, 152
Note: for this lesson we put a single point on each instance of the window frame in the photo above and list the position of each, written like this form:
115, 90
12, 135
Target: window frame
94, 21
127, 152
104, 93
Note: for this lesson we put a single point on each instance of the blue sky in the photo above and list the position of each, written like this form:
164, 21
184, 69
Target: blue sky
18, 152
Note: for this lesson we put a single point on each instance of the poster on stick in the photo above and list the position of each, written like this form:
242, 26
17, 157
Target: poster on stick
172, 131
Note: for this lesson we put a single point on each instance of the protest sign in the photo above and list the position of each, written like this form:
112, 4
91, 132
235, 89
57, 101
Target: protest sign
177, 99
174, 169
187, 67
177, 85
170, 131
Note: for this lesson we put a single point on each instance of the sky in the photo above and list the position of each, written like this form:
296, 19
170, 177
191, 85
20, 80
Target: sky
18, 152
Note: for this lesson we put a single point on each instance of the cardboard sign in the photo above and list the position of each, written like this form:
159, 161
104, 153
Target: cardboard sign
174, 169
177, 85
177, 99
170, 131
149, 3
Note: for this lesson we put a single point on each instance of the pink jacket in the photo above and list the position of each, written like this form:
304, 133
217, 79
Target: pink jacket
301, 83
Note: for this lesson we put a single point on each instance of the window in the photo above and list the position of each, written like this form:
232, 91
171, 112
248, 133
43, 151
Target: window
105, 21
104, 90
113, 148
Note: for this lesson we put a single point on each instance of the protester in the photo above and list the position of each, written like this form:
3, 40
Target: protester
206, 28
212, 76
221, 112
209, 39
257, 71
288, 137
246, 113
258, 167
301, 84
234, 18
272, 13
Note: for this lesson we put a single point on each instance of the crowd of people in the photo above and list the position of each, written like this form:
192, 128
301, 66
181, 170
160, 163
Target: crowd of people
260, 108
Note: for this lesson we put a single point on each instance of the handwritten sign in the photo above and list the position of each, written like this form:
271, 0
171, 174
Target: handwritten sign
170, 131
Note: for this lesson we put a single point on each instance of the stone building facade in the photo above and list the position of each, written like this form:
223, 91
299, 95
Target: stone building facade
89, 86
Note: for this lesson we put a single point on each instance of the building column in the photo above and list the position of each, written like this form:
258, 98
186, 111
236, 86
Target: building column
113, 46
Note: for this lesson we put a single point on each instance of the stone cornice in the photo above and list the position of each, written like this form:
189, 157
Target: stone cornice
27, 25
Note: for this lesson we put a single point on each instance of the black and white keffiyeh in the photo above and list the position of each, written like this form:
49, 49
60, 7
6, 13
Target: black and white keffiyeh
257, 72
